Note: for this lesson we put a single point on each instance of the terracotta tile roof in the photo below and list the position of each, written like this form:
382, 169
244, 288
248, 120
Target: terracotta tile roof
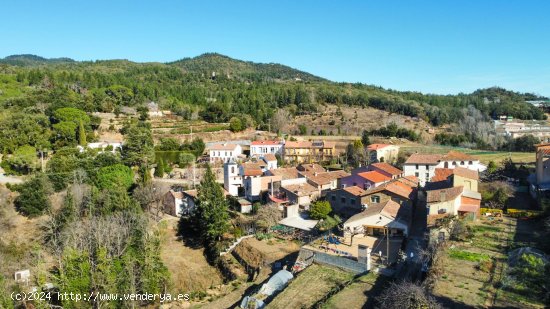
372, 147
374, 176
454, 155
444, 195
388, 168
252, 169
285, 172
260, 143
176, 194
410, 180
466, 173
396, 187
354, 190
223, 147
270, 157
441, 174
311, 167
191, 193
324, 177
418, 158
298, 144
388, 208
302, 189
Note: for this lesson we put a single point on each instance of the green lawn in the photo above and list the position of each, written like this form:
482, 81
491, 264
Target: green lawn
468, 256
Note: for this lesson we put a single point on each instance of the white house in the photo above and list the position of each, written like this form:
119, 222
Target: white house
383, 152
378, 217
173, 203
232, 179
271, 161
423, 165
260, 148
224, 152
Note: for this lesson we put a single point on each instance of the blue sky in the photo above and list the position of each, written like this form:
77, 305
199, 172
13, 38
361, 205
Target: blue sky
430, 46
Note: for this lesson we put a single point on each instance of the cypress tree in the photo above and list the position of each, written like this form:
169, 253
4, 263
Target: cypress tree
81, 134
159, 171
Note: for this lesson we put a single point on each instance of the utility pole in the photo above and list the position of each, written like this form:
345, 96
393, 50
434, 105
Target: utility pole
387, 245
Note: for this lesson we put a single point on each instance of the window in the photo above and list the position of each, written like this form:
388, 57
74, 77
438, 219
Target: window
352, 201
461, 162
354, 183
470, 163
417, 174
333, 197
343, 200
427, 175
442, 211
375, 199
232, 170
427, 167
416, 166
454, 163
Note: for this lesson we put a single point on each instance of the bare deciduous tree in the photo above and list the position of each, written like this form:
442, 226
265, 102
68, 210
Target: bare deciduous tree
406, 295
279, 120
268, 216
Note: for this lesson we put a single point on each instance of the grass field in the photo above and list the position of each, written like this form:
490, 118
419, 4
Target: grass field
360, 294
485, 156
309, 287
474, 271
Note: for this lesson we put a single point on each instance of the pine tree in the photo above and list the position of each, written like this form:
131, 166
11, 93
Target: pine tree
81, 134
159, 171
211, 214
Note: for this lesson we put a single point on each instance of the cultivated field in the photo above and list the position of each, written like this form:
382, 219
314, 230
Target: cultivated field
361, 293
473, 272
309, 287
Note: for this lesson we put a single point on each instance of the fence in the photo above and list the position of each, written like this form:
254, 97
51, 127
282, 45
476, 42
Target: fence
233, 245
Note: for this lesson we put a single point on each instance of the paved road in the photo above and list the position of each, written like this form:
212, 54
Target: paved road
415, 243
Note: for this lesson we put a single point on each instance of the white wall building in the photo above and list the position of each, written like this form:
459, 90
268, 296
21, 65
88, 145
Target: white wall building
224, 152
101, 146
232, 179
260, 148
423, 165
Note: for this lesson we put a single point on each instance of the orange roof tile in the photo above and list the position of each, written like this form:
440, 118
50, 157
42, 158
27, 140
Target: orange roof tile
444, 195
388, 168
374, 176
354, 190
372, 147
466, 173
418, 158
259, 143
441, 174
454, 155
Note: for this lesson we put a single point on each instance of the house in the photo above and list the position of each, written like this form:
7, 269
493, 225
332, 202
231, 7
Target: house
177, 203
285, 173
173, 203
541, 180
306, 151
379, 219
224, 152
245, 206
459, 176
346, 201
453, 201
310, 167
423, 165
302, 194
232, 179
382, 152
324, 181
261, 148
365, 180
386, 169
395, 190
270, 160
251, 174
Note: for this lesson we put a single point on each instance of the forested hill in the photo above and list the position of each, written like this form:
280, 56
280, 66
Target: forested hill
229, 67
246, 90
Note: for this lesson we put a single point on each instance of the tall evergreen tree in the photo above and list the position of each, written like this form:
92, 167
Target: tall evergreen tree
81, 134
159, 170
211, 214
